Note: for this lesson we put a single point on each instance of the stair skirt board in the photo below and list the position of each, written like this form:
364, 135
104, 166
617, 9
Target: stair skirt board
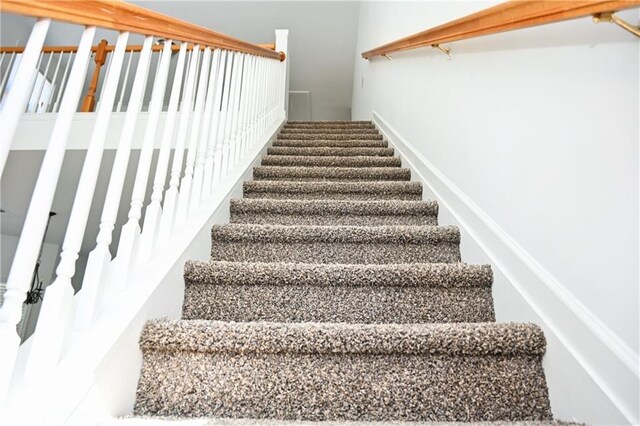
333, 295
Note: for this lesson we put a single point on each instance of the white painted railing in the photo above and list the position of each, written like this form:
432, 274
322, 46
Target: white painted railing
221, 104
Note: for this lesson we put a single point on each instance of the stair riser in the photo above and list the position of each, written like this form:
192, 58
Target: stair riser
328, 252
363, 387
328, 144
320, 161
306, 174
298, 136
330, 152
332, 219
360, 305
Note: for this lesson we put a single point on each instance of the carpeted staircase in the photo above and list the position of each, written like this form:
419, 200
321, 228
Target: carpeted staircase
334, 295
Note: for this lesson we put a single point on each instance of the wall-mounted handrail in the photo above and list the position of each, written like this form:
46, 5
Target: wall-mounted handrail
508, 16
121, 16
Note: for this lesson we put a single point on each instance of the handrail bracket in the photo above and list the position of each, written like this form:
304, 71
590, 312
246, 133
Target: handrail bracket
612, 18
445, 50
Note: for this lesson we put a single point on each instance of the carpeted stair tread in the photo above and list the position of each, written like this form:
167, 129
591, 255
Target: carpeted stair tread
330, 151
311, 371
335, 244
333, 212
329, 122
334, 190
321, 131
132, 420
442, 275
459, 339
331, 143
331, 173
330, 136
329, 161
336, 234
289, 292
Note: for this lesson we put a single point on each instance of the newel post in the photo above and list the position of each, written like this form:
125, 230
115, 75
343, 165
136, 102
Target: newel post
282, 45
89, 102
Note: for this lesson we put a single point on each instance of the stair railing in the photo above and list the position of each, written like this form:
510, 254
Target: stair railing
507, 16
225, 95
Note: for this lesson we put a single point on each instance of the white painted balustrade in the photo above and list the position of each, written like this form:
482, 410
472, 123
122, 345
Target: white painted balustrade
221, 104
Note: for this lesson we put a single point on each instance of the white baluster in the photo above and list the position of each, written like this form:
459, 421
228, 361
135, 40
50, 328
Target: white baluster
233, 140
124, 83
187, 180
56, 311
255, 103
63, 83
20, 89
94, 284
53, 82
263, 91
7, 73
246, 105
44, 82
104, 81
244, 101
224, 114
265, 98
128, 244
213, 136
171, 196
243, 106
226, 142
37, 215
154, 209
198, 172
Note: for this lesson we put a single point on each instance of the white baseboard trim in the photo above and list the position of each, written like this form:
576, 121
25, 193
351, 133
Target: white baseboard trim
607, 360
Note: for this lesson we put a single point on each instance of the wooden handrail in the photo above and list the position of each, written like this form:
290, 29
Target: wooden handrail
121, 16
110, 48
508, 16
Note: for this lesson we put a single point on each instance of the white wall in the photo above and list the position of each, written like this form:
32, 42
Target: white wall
322, 37
538, 129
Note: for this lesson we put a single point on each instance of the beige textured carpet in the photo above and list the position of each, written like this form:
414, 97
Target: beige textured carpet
335, 296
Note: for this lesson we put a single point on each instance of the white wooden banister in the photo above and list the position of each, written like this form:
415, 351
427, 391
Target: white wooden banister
38, 213
129, 238
171, 196
148, 240
226, 100
18, 97
56, 311
99, 261
187, 179
198, 172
